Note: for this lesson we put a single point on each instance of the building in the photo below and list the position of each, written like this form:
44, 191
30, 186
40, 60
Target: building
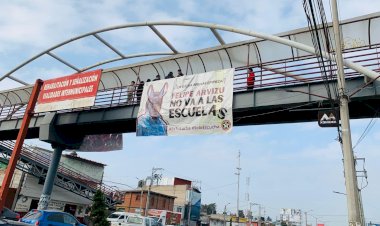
14, 186
26, 189
135, 201
185, 193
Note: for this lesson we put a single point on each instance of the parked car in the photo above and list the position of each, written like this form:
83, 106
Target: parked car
50, 217
118, 217
4, 222
129, 219
9, 214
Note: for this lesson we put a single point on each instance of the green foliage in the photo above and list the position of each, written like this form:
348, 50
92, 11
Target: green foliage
99, 210
209, 208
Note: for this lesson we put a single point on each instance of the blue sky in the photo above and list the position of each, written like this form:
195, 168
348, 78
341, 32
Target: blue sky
289, 165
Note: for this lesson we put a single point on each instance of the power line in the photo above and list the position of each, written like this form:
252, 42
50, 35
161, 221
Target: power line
112, 182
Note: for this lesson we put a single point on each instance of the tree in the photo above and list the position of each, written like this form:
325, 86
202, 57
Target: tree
241, 214
209, 208
99, 210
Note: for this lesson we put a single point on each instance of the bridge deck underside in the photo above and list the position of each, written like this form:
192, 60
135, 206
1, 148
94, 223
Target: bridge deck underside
290, 104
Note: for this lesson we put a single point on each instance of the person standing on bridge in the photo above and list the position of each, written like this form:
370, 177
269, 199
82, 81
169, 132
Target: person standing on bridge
170, 75
250, 79
157, 78
179, 73
139, 91
131, 92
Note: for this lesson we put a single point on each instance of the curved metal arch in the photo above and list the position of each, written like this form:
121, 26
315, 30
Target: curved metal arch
126, 57
371, 74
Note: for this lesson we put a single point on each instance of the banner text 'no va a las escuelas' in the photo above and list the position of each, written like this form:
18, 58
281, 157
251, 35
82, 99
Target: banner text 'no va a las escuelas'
191, 104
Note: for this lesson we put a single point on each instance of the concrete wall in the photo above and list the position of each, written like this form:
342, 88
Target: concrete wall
179, 191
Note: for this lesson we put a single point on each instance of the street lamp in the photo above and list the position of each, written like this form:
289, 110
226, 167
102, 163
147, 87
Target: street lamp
316, 219
224, 213
306, 216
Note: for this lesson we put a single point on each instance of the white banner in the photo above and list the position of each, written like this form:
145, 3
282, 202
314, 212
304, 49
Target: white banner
191, 104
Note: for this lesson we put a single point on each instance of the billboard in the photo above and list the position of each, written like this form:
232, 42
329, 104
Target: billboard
102, 142
192, 104
193, 197
73, 91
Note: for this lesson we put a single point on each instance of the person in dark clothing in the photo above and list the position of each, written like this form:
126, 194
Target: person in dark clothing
157, 78
139, 91
179, 73
170, 75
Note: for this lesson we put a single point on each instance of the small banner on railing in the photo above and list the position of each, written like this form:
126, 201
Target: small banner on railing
73, 91
191, 104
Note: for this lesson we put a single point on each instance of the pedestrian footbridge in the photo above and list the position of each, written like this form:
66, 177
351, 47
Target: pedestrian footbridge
290, 84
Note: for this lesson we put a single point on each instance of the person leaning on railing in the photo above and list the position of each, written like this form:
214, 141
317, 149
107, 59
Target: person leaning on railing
139, 91
130, 92
250, 79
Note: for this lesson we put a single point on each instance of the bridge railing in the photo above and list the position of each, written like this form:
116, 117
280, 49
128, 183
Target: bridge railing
44, 158
275, 74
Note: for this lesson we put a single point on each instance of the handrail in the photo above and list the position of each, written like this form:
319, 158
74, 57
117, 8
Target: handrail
44, 158
307, 68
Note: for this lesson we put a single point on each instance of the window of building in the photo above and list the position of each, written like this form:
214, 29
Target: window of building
137, 197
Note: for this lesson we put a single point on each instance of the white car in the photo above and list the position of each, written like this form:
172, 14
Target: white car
138, 220
117, 218
129, 219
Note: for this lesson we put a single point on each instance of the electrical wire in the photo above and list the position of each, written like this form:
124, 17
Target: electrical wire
316, 18
112, 182
366, 131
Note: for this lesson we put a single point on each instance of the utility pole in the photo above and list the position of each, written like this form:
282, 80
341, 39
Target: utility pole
224, 214
141, 183
259, 215
353, 202
305, 218
238, 186
152, 177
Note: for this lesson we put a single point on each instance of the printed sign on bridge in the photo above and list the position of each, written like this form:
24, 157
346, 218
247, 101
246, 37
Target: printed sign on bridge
73, 91
191, 104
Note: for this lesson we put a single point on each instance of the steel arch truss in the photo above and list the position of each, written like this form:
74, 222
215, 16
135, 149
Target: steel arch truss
284, 39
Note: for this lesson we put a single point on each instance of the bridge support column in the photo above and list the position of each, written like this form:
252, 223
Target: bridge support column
50, 177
